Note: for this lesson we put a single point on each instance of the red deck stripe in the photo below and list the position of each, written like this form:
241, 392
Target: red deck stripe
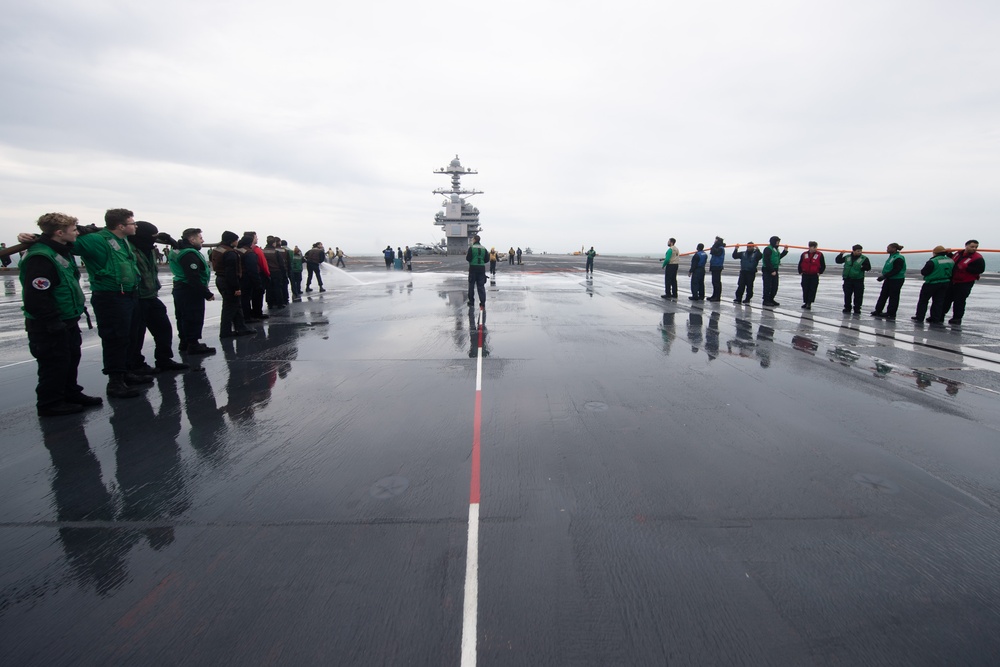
477, 424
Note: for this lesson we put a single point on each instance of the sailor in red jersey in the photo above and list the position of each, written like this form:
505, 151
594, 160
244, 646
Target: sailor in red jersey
969, 265
811, 265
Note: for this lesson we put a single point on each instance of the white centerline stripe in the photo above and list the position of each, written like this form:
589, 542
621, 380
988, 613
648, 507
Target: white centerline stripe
471, 605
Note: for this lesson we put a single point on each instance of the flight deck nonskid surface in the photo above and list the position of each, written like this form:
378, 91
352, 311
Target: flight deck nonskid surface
661, 482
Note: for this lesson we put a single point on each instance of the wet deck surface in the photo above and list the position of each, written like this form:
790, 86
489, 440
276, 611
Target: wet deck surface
662, 483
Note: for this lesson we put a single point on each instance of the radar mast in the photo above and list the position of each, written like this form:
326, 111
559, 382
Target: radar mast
460, 219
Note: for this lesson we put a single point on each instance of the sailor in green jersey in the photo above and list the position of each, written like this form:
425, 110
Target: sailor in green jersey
53, 303
296, 262
856, 265
191, 276
591, 254
892, 277
477, 256
289, 258
114, 282
771, 260
150, 313
937, 279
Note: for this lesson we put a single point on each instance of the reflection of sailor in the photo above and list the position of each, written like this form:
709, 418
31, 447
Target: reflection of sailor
667, 331
250, 385
284, 350
924, 380
803, 340
712, 336
94, 556
207, 425
149, 462
474, 336
765, 336
882, 369
804, 344
694, 330
744, 338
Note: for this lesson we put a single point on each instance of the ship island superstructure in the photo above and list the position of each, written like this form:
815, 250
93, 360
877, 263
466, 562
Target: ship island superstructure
459, 219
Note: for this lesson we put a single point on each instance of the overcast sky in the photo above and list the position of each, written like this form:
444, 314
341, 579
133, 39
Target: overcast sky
612, 124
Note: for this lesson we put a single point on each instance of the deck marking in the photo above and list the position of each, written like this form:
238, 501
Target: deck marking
470, 605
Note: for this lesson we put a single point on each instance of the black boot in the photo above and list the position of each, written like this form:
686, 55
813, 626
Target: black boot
118, 389
84, 400
135, 378
171, 365
59, 409
144, 369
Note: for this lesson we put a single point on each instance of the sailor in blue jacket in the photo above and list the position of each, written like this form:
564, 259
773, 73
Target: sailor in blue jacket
715, 264
748, 271
697, 273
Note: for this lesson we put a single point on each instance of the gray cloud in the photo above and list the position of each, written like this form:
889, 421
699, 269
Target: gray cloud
615, 128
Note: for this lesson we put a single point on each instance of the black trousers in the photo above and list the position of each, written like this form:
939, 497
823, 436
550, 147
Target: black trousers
284, 286
296, 283
958, 294
477, 283
257, 295
810, 283
151, 315
888, 298
189, 309
251, 297
670, 280
232, 310
745, 285
698, 283
114, 312
770, 286
936, 294
854, 288
312, 269
716, 272
276, 289
58, 356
